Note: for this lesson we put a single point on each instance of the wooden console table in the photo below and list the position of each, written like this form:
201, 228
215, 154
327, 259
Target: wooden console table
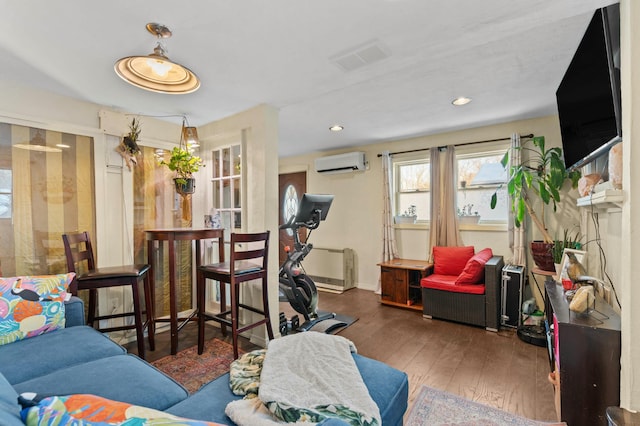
400, 282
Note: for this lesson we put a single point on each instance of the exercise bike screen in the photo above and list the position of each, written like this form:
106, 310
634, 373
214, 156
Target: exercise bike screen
310, 203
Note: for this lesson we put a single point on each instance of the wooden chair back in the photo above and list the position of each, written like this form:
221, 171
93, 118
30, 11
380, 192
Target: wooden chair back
77, 249
249, 253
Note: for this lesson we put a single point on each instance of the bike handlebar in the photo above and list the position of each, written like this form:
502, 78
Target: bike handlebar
292, 224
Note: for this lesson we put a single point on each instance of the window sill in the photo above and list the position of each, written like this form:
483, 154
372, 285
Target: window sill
487, 227
420, 226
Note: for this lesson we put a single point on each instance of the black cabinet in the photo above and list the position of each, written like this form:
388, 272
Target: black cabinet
585, 350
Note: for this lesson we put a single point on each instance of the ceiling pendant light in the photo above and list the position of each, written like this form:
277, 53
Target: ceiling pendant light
190, 134
155, 72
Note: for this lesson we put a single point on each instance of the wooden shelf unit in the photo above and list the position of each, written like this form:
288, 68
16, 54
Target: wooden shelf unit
585, 350
400, 282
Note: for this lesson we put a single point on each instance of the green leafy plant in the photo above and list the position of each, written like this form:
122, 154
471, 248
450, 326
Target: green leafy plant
134, 129
184, 163
467, 210
543, 175
410, 211
568, 241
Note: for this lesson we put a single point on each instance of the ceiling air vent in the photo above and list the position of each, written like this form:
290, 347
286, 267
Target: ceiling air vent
360, 56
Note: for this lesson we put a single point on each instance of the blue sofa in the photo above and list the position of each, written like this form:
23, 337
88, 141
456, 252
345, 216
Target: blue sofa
78, 359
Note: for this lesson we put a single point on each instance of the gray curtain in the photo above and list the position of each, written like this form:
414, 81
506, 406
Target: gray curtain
389, 248
444, 217
516, 234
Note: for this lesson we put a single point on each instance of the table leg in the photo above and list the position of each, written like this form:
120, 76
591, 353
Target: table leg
151, 314
173, 303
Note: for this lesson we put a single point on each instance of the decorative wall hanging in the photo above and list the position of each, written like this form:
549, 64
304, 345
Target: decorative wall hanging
128, 147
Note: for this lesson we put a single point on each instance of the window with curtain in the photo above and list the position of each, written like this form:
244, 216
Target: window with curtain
412, 183
46, 190
479, 175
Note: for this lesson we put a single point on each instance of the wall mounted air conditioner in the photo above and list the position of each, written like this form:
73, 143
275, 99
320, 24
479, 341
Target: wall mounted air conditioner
341, 163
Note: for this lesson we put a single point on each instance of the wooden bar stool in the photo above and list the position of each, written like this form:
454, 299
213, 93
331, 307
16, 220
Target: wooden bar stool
79, 254
248, 261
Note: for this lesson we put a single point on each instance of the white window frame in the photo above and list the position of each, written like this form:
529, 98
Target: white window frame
462, 153
405, 161
8, 192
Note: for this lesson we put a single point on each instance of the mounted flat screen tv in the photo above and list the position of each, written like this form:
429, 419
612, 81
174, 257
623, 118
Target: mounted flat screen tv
589, 95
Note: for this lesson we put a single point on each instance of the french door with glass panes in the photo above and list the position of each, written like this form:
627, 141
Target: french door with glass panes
226, 179
227, 186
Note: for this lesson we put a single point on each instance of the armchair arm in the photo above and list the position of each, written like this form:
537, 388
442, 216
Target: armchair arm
493, 285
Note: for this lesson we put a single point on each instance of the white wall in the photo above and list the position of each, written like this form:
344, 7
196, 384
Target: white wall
258, 129
630, 223
354, 220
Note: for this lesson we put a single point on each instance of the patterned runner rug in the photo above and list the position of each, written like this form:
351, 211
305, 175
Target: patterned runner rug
192, 370
437, 408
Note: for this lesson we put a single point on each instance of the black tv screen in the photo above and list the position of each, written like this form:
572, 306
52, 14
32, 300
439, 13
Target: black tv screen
589, 95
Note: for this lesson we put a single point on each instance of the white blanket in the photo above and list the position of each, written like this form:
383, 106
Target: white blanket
308, 373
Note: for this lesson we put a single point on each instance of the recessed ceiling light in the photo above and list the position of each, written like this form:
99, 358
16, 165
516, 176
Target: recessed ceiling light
461, 101
336, 128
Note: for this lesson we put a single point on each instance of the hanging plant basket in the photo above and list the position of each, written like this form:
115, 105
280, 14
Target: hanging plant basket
542, 254
185, 186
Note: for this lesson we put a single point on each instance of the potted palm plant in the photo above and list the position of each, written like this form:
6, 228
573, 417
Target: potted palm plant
543, 175
184, 164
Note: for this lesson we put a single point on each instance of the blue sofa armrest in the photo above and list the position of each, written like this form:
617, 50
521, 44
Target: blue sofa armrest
74, 312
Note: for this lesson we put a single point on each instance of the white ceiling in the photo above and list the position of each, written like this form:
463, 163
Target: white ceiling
507, 55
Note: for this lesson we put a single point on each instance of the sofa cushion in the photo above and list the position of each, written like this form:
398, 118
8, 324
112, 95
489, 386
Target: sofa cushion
448, 283
208, 403
451, 260
72, 410
32, 305
123, 378
74, 312
9, 408
473, 272
26, 359
388, 387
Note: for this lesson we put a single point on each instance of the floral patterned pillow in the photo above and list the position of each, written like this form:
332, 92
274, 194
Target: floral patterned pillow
92, 410
32, 305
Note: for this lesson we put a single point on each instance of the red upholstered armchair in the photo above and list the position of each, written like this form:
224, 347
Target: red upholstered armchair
464, 287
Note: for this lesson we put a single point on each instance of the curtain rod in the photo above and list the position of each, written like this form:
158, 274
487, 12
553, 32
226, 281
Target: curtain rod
529, 136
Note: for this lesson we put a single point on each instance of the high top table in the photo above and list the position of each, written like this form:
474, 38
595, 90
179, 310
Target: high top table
171, 235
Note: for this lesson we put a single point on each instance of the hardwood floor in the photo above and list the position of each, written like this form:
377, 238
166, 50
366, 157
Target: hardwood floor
496, 369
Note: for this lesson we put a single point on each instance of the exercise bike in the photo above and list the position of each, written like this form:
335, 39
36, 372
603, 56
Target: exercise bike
297, 287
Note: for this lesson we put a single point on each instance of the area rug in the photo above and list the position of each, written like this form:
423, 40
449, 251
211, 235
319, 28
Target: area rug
192, 370
437, 408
